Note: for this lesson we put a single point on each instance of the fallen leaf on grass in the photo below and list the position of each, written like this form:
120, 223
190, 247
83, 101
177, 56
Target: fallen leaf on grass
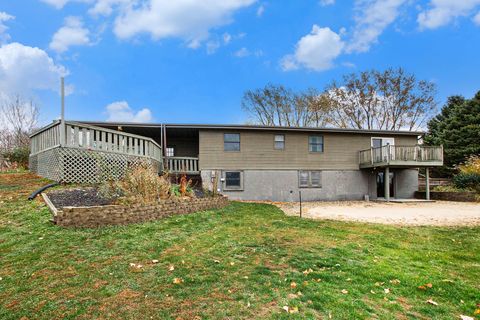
430, 301
154, 261
177, 280
293, 285
476, 311
466, 317
344, 291
306, 272
425, 286
395, 281
290, 309
386, 290
232, 263
171, 268
136, 265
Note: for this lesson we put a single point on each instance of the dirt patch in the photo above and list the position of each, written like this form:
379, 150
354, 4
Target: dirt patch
84, 197
439, 213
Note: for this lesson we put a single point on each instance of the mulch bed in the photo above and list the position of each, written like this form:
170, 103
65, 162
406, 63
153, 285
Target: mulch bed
85, 197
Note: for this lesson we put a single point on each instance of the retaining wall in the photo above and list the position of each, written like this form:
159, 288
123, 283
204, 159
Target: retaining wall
98, 216
448, 196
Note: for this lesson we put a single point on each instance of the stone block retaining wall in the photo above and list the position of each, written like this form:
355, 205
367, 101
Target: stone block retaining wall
98, 216
448, 196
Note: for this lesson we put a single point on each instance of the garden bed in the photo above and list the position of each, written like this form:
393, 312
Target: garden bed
78, 198
87, 208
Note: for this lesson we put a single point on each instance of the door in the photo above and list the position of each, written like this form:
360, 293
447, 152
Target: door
381, 184
379, 152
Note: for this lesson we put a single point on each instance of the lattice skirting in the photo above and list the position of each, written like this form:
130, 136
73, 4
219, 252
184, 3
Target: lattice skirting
71, 165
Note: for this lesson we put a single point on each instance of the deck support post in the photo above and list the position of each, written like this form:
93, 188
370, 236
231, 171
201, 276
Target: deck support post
427, 183
63, 138
386, 182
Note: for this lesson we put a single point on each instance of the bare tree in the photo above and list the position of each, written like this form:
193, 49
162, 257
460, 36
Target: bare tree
279, 106
18, 118
388, 100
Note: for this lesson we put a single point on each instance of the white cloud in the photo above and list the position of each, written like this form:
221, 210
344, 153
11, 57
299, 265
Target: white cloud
315, 51
476, 19
190, 20
106, 7
59, 4
212, 46
260, 10
71, 34
372, 19
120, 111
24, 69
227, 37
4, 36
242, 53
325, 3
442, 12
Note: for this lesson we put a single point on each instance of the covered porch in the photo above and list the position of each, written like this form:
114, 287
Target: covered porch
180, 145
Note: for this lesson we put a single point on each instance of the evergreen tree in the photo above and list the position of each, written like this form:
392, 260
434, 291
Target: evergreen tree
457, 128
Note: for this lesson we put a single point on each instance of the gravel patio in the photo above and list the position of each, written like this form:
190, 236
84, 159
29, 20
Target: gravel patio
438, 213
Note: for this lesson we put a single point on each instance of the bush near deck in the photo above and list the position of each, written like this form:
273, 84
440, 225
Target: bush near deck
241, 262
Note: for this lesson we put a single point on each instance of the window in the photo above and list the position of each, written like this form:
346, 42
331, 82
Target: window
170, 152
315, 143
231, 142
310, 179
233, 180
279, 142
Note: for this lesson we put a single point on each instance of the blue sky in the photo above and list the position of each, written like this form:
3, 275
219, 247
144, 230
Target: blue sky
190, 61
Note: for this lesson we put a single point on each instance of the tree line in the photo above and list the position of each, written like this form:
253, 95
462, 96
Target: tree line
384, 100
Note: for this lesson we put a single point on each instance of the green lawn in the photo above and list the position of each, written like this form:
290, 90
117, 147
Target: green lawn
244, 261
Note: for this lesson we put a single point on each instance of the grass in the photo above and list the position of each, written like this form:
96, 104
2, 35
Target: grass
244, 261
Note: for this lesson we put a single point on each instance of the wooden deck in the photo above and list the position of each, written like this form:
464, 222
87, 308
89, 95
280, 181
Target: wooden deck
401, 156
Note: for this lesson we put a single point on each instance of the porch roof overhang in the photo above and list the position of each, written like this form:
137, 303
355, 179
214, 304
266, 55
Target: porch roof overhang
157, 126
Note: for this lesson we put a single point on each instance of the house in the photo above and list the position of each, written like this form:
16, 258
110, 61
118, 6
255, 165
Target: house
245, 162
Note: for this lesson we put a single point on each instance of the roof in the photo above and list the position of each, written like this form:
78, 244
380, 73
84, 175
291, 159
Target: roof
249, 127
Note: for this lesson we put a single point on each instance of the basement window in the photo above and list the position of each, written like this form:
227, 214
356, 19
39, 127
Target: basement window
309, 179
233, 180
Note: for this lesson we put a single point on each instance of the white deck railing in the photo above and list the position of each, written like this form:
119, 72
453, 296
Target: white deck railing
181, 164
78, 135
398, 154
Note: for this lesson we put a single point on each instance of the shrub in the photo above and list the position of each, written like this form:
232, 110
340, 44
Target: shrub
472, 166
18, 155
469, 176
141, 184
467, 181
